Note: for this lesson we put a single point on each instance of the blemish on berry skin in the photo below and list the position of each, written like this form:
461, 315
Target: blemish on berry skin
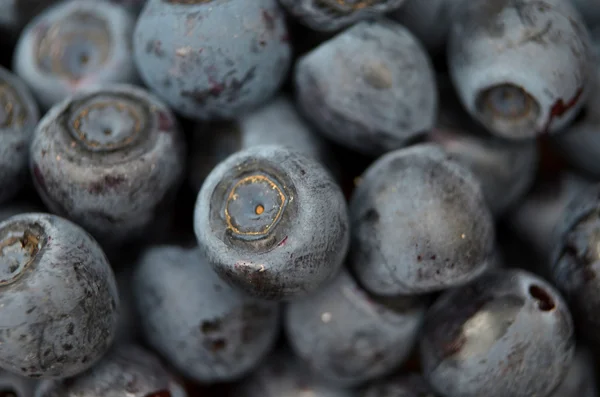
559, 108
282, 243
165, 122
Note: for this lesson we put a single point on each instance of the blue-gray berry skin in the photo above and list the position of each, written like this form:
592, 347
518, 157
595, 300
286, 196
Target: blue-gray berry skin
212, 59
575, 264
127, 370
75, 45
282, 374
429, 21
205, 329
278, 122
521, 68
110, 159
580, 381
348, 336
12, 385
419, 224
405, 385
535, 218
331, 15
18, 117
272, 222
370, 88
58, 296
509, 333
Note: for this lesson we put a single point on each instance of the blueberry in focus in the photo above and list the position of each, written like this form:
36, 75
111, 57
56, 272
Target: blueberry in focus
282, 374
127, 370
12, 385
205, 329
419, 224
212, 59
405, 385
272, 222
277, 122
331, 15
521, 68
370, 88
347, 336
75, 45
575, 264
509, 333
58, 296
19, 115
110, 159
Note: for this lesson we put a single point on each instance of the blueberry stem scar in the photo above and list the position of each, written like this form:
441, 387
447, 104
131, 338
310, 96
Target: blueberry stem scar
17, 252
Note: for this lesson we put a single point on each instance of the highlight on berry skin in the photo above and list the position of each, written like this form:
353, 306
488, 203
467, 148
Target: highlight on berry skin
73, 46
523, 68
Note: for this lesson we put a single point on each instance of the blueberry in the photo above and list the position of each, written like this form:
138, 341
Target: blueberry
110, 159
348, 336
535, 218
283, 375
208, 331
406, 385
505, 169
127, 370
509, 333
330, 15
58, 297
580, 381
277, 122
575, 265
589, 10
429, 20
12, 385
18, 117
212, 58
75, 45
272, 222
419, 224
522, 68
370, 88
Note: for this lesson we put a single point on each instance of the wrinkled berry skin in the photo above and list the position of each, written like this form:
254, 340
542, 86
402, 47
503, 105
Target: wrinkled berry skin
75, 45
282, 374
407, 385
331, 15
419, 224
12, 385
521, 68
349, 337
581, 378
575, 264
19, 115
272, 222
212, 59
216, 333
110, 159
58, 296
371, 88
127, 370
277, 122
509, 333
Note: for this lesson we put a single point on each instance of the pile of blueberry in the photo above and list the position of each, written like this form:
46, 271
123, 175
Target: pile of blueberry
299, 198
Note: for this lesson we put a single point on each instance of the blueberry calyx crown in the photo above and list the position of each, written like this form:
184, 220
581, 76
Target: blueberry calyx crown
12, 111
508, 103
74, 46
107, 122
19, 244
254, 206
